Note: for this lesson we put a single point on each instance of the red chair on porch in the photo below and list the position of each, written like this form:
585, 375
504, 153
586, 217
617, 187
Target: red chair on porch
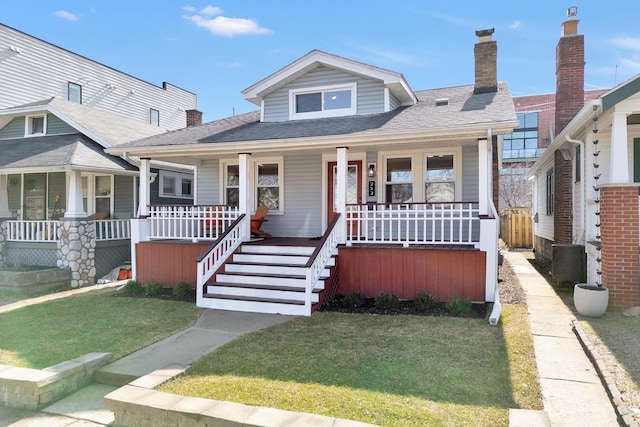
256, 221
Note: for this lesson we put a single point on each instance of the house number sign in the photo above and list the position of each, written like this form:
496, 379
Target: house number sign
372, 188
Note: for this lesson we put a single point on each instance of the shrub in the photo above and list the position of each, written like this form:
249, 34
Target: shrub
423, 301
154, 289
133, 288
353, 299
459, 306
182, 290
386, 301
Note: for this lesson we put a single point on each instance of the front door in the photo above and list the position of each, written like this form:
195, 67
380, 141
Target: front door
354, 186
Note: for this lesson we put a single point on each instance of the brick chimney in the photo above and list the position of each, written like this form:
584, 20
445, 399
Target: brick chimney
194, 117
569, 71
486, 58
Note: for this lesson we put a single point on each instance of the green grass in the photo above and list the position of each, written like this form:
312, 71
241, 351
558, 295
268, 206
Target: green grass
45, 334
387, 370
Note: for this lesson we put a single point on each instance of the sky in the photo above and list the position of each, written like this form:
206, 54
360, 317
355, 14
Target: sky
216, 49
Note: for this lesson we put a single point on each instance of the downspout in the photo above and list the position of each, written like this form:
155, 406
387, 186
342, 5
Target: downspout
583, 179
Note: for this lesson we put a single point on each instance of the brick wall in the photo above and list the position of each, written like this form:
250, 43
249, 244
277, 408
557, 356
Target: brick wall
194, 117
563, 200
486, 63
620, 241
569, 79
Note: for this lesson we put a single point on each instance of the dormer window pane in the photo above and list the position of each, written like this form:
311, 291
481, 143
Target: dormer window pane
308, 102
35, 125
337, 99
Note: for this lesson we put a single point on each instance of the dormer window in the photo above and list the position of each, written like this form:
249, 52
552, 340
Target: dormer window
326, 101
35, 125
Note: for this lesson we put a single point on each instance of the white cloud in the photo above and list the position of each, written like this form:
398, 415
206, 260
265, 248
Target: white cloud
65, 15
225, 26
515, 25
627, 42
188, 8
631, 64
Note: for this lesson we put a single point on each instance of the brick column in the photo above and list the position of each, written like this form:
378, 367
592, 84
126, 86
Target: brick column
620, 242
563, 200
76, 250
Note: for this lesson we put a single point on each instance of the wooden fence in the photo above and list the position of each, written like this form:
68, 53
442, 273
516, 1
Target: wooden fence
516, 227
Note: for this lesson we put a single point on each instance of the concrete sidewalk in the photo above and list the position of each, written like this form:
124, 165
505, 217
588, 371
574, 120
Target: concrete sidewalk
573, 393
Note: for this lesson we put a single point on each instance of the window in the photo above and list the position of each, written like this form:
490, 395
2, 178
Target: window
327, 101
74, 92
103, 194
398, 180
550, 192
440, 179
175, 185
578, 164
154, 117
232, 185
268, 186
36, 125
523, 142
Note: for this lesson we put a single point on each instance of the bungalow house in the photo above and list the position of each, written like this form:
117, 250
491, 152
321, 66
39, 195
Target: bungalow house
64, 201
586, 182
370, 187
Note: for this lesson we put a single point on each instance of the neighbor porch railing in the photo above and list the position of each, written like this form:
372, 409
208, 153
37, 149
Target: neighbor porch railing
319, 259
455, 223
190, 222
113, 229
32, 230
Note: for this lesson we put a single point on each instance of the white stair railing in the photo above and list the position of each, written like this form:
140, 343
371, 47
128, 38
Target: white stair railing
319, 259
215, 256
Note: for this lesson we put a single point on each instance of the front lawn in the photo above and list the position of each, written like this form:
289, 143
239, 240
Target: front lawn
45, 334
387, 370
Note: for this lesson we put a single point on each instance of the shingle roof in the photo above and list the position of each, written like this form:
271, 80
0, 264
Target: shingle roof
464, 108
112, 129
73, 151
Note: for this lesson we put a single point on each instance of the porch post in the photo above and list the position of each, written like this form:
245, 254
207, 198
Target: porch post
74, 201
244, 204
619, 166
145, 187
341, 191
4, 197
483, 176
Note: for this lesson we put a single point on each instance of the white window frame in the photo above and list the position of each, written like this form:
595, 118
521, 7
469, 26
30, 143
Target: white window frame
75, 86
178, 178
91, 192
28, 125
253, 178
383, 189
323, 113
457, 178
419, 169
154, 121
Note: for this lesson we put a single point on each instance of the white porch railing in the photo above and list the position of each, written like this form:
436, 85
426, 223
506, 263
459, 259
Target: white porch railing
217, 254
113, 229
455, 223
319, 259
190, 222
33, 230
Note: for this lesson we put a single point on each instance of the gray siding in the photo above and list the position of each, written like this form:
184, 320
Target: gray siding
43, 70
370, 92
13, 129
14, 192
57, 182
208, 185
302, 199
470, 189
55, 126
157, 200
123, 197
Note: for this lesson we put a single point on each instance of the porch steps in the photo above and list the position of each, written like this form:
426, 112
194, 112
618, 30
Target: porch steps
265, 279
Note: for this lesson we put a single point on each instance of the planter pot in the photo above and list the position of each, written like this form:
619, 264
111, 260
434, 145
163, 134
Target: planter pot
589, 300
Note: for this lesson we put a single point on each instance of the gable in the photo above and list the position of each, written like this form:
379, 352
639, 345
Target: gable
369, 93
16, 127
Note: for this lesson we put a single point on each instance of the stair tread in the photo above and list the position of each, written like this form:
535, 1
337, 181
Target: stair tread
261, 286
279, 276
254, 299
266, 264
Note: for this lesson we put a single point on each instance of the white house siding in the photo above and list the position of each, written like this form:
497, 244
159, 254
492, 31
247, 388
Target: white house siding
302, 198
208, 185
370, 92
393, 101
42, 70
544, 226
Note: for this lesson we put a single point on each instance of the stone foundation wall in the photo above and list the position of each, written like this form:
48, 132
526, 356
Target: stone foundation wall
3, 241
76, 250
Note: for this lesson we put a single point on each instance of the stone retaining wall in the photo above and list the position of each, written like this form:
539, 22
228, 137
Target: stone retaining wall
27, 388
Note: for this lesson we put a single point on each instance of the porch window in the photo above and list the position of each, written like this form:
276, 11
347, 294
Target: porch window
35, 125
35, 193
175, 185
399, 180
268, 186
440, 185
103, 194
550, 192
325, 101
232, 185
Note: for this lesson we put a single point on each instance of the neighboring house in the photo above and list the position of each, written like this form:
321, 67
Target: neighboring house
585, 183
377, 187
58, 112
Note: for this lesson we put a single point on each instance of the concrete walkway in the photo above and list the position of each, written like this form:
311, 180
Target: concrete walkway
573, 394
